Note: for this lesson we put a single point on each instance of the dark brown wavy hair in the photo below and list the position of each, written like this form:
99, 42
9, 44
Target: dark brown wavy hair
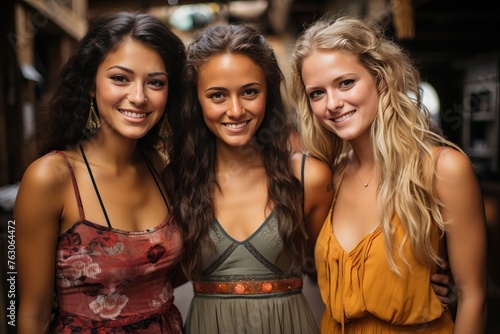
65, 110
193, 160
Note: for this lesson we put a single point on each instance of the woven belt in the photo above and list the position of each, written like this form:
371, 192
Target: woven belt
248, 287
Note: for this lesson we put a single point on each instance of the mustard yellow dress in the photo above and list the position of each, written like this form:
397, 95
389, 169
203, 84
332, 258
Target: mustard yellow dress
363, 295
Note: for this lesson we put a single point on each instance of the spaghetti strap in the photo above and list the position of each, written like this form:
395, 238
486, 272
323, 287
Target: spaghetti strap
95, 186
152, 170
155, 174
302, 171
75, 185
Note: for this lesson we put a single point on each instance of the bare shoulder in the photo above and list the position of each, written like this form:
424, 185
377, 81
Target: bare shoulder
453, 166
317, 174
456, 183
47, 172
42, 190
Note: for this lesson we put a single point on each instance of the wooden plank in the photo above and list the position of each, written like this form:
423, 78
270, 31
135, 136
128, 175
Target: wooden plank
67, 20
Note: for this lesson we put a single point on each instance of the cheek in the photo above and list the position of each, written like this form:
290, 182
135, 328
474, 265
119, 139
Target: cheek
320, 115
211, 112
108, 94
162, 102
365, 93
211, 122
318, 110
159, 100
257, 107
370, 101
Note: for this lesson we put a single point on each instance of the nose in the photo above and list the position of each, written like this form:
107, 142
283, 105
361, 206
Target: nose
334, 101
235, 109
137, 94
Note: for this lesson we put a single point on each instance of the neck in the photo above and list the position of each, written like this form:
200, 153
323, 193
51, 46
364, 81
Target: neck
111, 152
229, 157
363, 168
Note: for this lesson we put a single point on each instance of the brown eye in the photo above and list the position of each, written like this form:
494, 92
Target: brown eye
216, 96
119, 78
157, 83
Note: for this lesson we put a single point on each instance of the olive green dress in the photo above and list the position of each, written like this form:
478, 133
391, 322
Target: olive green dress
245, 289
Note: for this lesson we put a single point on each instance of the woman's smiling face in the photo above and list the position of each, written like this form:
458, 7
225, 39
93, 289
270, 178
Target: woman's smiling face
232, 92
131, 89
342, 93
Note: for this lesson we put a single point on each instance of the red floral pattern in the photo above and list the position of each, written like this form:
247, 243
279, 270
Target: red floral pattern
111, 281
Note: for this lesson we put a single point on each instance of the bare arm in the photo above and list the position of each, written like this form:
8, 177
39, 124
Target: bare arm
318, 196
459, 192
37, 213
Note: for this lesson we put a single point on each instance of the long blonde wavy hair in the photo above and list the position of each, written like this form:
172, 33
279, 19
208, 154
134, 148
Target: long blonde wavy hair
404, 139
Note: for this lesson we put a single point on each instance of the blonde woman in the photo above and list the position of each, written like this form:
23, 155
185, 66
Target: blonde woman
401, 189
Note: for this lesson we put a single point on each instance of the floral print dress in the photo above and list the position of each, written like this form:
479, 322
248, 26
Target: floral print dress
114, 281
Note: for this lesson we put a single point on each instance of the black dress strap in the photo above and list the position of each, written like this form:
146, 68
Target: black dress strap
154, 173
95, 186
304, 156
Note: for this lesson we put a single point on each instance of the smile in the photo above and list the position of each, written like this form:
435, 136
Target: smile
236, 126
344, 117
133, 114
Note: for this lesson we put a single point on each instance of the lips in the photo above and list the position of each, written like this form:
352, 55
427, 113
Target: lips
133, 114
235, 126
344, 117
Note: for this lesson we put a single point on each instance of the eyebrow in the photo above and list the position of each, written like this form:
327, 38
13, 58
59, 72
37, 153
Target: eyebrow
128, 70
310, 89
225, 89
340, 78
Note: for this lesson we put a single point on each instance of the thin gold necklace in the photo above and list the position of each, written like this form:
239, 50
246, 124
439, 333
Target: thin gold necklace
363, 183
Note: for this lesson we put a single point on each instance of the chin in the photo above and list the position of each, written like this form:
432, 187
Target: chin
135, 136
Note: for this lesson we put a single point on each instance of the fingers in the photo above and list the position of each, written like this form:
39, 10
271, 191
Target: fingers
445, 267
442, 292
443, 300
442, 284
440, 279
444, 289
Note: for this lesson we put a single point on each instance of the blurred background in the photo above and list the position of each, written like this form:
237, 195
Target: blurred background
455, 44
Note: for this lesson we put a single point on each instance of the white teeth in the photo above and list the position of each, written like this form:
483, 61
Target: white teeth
133, 114
343, 118
236, 126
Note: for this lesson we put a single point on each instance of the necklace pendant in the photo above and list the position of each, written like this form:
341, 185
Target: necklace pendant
365, 185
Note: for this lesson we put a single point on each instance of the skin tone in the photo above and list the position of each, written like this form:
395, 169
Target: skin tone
347, 106
343, 97
46, 205
122, 88
232, 91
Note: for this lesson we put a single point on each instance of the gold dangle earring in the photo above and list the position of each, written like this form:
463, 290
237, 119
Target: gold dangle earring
165, 128
93, 122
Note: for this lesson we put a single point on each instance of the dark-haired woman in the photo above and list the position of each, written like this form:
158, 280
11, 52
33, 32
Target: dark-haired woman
240, 191
96, 243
